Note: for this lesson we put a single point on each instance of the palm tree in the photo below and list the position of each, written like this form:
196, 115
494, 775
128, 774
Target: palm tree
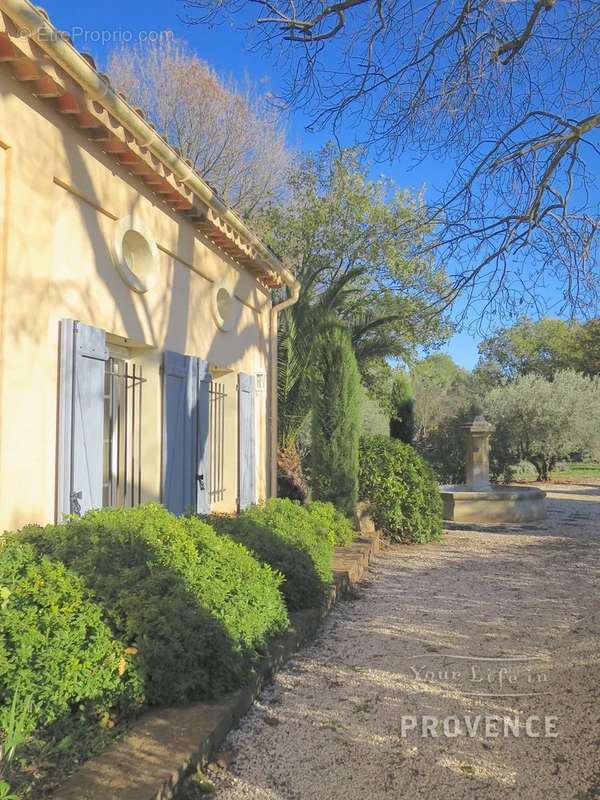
351, 241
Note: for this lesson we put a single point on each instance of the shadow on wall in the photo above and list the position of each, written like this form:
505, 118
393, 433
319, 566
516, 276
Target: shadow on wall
177, 314
144, 318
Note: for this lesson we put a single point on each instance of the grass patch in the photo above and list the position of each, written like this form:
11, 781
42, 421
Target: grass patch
576, 472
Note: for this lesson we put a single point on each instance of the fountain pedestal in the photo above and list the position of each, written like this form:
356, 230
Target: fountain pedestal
480, 501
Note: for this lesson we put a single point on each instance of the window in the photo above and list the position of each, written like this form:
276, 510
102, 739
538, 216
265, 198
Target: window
136, 255
226, 307
122, 461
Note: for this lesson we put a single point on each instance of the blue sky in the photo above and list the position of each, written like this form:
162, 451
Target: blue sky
97, 27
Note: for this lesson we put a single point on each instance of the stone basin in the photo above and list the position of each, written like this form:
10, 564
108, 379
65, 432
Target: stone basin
493, 503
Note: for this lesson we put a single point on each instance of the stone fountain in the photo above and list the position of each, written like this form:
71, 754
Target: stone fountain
478, 500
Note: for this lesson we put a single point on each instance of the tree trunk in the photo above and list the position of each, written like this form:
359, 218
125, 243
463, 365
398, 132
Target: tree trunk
291, 481
540, 467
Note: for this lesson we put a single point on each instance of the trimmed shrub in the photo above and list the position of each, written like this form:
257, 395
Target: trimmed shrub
335, 419
401, 488
55, 645
283, 534
189, 604
335, 525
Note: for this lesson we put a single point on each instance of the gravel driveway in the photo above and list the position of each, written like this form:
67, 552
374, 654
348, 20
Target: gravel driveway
486, 624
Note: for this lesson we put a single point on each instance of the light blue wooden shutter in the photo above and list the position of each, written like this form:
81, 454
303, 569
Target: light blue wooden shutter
180, 425
203, 468
83, 357
247, 441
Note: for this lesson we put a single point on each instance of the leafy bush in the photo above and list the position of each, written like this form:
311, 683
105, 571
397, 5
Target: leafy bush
55, 645
401, 488
285, 535
335, 419
335, 525
188, 603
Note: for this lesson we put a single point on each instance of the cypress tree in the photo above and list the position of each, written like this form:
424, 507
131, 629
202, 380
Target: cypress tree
335, 419
402, 422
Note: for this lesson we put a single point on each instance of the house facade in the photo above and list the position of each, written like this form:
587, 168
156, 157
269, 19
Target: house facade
137, 325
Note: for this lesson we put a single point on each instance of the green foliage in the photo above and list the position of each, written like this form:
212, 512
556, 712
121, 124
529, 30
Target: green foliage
588, 350
527, 347
55, 644
351, 242
285, 535
338, 528
374, 418
523, 472
438, 369
402, 423
401, 489
5, 791
446, 397
442, 390
335, 388
14, 724
544, 421
189, 604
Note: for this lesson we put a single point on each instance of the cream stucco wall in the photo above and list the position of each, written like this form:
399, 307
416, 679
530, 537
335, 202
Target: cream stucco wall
60, 202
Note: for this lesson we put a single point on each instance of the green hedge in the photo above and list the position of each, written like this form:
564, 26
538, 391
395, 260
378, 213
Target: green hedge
189, 604
55, 645
401, 488
285, 535
335, 525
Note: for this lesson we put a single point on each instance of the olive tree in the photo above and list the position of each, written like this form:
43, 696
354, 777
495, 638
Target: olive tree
543, 421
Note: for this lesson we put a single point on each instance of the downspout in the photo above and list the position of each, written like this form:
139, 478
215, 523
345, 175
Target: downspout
294, 288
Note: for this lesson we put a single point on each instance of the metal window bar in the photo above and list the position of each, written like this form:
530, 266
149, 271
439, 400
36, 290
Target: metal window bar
123, 397
217, 396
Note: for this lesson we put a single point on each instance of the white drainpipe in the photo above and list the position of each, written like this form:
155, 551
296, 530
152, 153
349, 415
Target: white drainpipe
274, 327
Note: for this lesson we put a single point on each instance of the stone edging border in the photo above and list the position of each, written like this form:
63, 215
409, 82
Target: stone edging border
166, 745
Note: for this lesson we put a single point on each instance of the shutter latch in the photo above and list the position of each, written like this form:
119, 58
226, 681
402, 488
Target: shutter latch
75, 504
201, 485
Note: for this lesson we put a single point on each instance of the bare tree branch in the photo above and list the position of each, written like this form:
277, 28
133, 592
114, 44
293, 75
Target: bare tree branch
234, 137
513, 47
507, 90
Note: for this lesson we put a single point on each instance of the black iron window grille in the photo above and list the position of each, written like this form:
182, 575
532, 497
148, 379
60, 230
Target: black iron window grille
123, 396
218, 396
